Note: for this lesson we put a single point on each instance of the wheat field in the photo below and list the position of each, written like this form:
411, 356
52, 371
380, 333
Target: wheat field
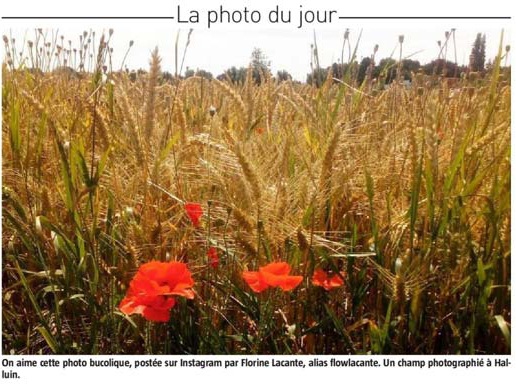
399, 196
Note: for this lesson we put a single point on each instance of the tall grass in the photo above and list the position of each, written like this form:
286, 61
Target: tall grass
404, 191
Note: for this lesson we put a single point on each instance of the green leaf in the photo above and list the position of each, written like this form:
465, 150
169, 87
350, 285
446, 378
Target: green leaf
339, 326
504, 328
45, 330
48, 338
481, 272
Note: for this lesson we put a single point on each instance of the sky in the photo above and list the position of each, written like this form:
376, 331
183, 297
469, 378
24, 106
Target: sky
218, 49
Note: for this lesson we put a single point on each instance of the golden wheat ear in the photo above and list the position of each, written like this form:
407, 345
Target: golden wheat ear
404, 283
150, 101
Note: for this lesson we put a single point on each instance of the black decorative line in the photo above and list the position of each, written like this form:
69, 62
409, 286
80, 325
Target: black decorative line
90, 17
426, 17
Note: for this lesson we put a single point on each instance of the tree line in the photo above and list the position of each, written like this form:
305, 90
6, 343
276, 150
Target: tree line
386, 69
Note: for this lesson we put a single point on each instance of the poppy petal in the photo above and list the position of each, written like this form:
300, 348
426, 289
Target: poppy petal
153, 285
194, 212
336, 281
276, 268
274, 274
213, 256
254, 281
290, 282
180, 280
322, 279
127, 306
159, 315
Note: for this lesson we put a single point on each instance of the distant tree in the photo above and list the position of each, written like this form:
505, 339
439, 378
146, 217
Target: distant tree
165, 77
409, 67
189, 73
204, 74
198, 73
317, 77
443, 68
362, 69
338, 70
235, 75
283, 75
386, 70
477, 57
260, 65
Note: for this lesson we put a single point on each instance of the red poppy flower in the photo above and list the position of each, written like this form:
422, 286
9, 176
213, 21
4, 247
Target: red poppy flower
152, 289
213, 256
194, 212
275, 274
260, 130
322, 279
